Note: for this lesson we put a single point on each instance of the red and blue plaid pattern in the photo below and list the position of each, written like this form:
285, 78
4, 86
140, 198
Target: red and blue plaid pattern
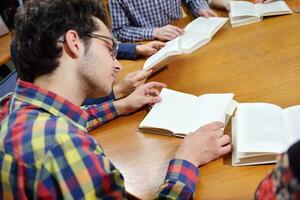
281, 183
46, 153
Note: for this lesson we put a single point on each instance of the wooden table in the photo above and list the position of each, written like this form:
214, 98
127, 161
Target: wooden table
5, 41
258, 63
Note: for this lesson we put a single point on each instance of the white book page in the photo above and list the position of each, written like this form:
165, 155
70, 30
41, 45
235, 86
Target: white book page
171, 112
273, 8
208, 108
206, 27
260, 128
292, 117
199, 32
242, 8
190, 42
171, 48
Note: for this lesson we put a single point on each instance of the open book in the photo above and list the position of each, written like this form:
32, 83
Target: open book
197, 33
244, 12
180, 113
260, 131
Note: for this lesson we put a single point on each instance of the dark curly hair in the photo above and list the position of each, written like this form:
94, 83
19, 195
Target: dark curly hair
39, 25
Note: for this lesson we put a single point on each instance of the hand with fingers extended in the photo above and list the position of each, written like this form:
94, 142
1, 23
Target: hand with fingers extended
149, 48
204, 145
207, 13
168, 32
130, 82
141, 96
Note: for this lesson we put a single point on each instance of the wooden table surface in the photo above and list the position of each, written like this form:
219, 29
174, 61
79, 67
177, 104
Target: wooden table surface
5, 41
258, 63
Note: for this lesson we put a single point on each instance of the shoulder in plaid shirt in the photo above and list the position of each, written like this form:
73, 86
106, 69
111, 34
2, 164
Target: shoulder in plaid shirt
134, 20
46, 152
284, 180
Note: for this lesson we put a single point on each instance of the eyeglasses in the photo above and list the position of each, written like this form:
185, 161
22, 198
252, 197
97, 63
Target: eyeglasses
114, 47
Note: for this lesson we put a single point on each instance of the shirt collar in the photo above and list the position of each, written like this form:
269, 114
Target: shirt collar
51, 102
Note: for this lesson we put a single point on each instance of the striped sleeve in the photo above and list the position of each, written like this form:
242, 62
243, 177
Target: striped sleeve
180, 181
122, 29
99, 114
76, 168
195, 6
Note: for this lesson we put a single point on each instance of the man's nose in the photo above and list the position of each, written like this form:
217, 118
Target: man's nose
117, 65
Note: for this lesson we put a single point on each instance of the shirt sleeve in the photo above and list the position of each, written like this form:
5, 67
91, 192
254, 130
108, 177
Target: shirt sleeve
195, 6
127, 51
76, 168
180, 181
123, 29
281, 183
99, 114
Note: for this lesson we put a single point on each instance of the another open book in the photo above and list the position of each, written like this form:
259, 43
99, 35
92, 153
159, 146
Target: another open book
180, 113
244, 12
197, 33
260, 131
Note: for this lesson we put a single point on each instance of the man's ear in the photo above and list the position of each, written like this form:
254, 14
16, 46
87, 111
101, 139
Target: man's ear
73, 45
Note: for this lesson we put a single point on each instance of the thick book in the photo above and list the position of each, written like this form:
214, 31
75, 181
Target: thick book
244, 12
180, 113
197, 33
261, 131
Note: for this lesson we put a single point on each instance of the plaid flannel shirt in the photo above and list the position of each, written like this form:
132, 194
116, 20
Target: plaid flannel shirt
46, 153
134, 20
284, 180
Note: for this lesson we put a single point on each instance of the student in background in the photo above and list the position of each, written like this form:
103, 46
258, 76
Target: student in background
46, 151
284, 180
149, 20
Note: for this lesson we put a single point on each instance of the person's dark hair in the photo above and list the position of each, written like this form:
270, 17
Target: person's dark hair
39, 25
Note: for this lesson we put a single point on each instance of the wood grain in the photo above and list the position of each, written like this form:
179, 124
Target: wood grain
5, 41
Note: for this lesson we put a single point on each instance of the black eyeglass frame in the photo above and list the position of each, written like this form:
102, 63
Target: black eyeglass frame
115, 46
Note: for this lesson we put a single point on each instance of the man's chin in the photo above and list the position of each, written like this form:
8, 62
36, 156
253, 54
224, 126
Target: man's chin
100, 93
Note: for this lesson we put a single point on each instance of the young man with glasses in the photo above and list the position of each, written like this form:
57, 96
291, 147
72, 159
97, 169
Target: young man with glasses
46, 151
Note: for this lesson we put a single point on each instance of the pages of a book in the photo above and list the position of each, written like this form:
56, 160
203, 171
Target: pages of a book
273, 8
169, 113
242, 9
209, 108
260, 128
157, 60
197, 33
243, 12
241, 158
292, 116
259, 133
182, 113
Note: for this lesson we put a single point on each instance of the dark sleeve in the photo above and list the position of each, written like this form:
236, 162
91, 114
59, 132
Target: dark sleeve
127, 51
93, 101
294, 158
